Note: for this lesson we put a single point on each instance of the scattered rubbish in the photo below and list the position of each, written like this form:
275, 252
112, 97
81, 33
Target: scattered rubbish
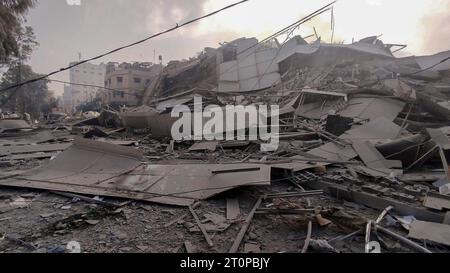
322, 246
73, 247
405, 221
189, 247
204, 146
20, 203
402, 239
252, 248
92, 222
360, 132
47, 215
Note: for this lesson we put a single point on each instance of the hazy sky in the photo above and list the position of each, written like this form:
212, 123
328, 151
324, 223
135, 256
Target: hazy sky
100, 25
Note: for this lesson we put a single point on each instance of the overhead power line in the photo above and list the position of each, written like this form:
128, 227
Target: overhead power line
280, 32
123, 47
288, 28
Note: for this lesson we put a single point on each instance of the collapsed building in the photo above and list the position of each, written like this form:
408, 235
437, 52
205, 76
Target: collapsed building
356, 126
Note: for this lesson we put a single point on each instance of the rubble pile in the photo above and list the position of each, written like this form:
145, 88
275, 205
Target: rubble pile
361, 165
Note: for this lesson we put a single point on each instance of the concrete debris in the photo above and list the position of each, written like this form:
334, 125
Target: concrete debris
435, 232
356, 132
8, 125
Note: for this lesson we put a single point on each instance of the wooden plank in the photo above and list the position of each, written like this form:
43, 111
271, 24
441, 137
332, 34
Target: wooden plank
241, 234
190, 248
233, 210
308, 238
202, 228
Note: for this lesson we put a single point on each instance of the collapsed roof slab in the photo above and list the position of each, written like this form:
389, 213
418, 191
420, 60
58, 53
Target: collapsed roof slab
13, 124
377, 129
357, 108
99, 168
436, 62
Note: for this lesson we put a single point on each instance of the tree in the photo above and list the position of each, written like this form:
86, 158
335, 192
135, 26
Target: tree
33, 98
16, 41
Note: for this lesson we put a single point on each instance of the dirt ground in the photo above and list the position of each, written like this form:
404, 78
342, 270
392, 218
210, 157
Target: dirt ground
46, 222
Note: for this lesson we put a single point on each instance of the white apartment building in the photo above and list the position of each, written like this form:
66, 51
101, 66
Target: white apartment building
86, 74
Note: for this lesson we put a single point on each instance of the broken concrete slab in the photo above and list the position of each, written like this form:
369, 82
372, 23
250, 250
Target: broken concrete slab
204, 146
380, 128
435, 232
7, 125
373, 158
28, 149
437, 201
98, 168
39, 137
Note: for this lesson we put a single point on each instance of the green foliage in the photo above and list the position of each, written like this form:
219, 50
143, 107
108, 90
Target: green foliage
16, 41
33, 98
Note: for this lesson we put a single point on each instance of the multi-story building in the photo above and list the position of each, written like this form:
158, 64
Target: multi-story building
87, 74
126, 82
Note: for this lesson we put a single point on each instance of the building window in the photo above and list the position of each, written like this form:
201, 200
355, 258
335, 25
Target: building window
137, 80
120, 79
122, 94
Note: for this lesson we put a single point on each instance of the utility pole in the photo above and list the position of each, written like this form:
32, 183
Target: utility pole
20, 103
